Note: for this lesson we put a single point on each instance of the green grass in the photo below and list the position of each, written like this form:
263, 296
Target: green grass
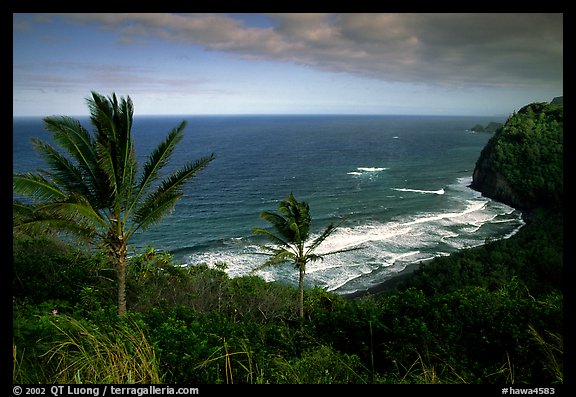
83, 353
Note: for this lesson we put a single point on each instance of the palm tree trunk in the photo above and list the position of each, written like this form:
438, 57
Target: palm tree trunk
121, 274
301, 293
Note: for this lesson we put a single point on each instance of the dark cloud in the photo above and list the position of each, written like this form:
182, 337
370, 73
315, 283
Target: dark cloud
519, 55
442, 49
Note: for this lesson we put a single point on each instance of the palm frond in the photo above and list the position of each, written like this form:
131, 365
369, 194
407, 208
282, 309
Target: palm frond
160, 156
162, 200
70, 135
102, 110
107, 166
172, 184
178, 178
153, 209
21, 212
279, 256
32, 227
126, 160
71, 217
301, 215
36, 186
297, 219
74, 210
127, 197
314, 257
271, 236
320, 239
117, 162
156, 161
280, 224
65, 173
108, 146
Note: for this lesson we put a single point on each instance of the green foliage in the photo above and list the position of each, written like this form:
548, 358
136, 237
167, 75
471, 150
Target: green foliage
322, 365
85, 353
490, 314
204, 327
47, 268
527, 153
77, 351
208, 347
155, 283
80, 352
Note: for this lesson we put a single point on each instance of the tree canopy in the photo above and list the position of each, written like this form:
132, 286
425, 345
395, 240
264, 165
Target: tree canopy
522, 164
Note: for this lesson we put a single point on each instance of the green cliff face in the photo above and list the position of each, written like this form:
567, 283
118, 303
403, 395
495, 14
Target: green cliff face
522, 164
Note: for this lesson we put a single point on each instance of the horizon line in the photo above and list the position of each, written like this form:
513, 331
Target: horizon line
283, 114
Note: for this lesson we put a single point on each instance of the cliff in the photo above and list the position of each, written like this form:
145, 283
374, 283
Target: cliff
522, 163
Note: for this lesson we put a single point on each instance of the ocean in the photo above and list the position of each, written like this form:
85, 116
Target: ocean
398, 184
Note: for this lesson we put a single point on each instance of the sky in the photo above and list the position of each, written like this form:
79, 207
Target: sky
350, 63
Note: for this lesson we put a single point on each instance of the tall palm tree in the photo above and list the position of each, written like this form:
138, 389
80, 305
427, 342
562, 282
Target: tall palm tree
291, 240
96, 191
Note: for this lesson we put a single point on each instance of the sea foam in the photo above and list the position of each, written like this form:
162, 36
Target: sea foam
376, 249
439, 191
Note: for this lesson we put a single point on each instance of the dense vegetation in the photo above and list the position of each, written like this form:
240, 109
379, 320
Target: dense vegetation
491, 315
522, 164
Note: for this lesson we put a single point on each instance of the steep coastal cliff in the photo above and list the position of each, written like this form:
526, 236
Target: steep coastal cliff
522, 164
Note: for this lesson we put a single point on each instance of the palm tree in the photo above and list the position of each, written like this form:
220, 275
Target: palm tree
292, 232
96, 192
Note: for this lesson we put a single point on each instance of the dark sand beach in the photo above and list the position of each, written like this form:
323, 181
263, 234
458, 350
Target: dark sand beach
389, 283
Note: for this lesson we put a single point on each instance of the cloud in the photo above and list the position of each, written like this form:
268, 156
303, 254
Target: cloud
70, 76
511, 50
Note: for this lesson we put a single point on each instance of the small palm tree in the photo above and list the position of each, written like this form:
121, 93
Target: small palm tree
290, 239
96, 192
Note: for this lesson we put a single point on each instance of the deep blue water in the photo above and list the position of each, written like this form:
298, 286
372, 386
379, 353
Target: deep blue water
400, 183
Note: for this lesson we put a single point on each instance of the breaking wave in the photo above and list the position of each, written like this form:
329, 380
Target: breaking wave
380, 249
439, 191
364, 170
